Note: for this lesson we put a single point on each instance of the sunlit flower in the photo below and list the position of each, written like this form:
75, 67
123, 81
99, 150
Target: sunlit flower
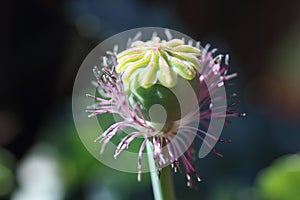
133, 80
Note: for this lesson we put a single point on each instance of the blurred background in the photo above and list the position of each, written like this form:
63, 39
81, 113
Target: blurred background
43, 43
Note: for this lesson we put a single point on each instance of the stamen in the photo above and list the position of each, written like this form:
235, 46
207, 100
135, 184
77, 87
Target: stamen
168, 34
227, 59
231, 76
154, 35
137, 36
129, 43
113, 99
140, 159
198, 177
198, 45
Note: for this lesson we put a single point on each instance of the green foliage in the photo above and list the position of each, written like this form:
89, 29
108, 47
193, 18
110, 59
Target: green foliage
280, 181
7, 161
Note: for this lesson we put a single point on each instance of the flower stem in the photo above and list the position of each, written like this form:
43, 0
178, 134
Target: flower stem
163, 188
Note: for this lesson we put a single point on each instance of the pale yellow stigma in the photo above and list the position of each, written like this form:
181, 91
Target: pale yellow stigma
158, 61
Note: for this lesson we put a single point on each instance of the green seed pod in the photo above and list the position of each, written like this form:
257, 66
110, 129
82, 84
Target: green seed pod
151, 70
159, 94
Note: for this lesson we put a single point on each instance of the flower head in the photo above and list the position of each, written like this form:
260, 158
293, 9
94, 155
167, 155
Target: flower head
143, 75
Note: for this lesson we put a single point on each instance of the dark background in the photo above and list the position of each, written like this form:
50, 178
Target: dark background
43, 42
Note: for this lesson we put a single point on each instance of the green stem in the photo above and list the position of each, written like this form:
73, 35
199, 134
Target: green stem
163, 188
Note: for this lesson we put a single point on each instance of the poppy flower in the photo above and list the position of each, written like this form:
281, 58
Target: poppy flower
160, 72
